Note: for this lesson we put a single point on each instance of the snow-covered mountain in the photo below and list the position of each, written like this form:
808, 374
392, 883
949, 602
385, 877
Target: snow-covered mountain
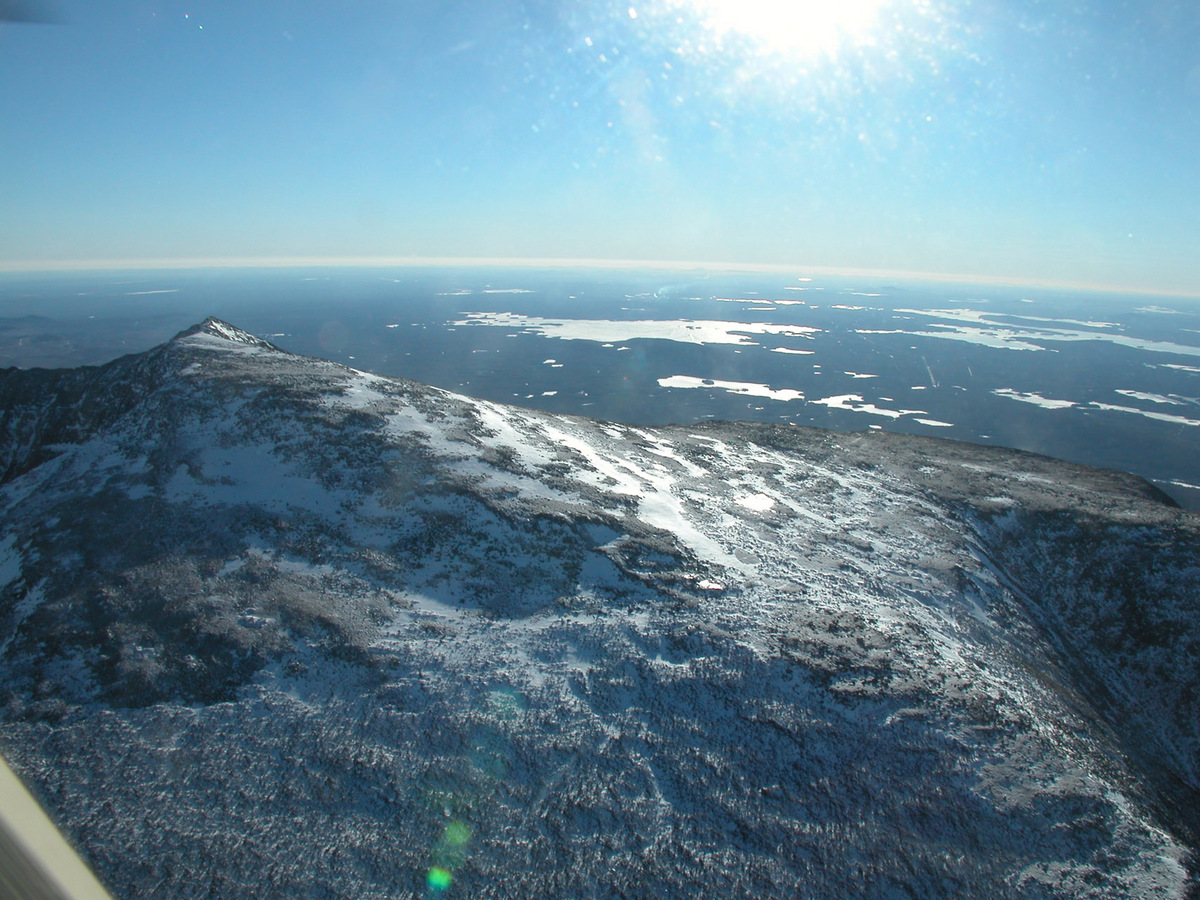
270, 626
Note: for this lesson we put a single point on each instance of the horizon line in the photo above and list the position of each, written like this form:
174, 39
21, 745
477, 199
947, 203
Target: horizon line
800, 269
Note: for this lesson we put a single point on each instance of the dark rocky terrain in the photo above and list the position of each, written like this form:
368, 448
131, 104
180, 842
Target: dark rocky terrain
270, 626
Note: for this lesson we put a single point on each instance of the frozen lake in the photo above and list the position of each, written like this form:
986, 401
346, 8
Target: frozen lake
1104, 379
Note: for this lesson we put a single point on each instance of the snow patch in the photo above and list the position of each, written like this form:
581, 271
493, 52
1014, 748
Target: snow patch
756, 502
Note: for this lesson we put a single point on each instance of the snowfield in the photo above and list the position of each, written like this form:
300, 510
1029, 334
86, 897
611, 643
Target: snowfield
275, 627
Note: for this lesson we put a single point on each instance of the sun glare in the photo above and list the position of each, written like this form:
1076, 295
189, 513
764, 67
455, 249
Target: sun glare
792, 27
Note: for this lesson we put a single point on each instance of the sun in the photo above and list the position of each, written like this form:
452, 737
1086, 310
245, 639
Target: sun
791, 27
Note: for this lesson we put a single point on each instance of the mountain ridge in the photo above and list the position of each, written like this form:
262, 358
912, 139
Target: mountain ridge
836, 654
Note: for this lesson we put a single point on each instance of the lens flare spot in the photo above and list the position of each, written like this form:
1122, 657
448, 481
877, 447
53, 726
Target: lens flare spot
506, 703
457, 834
439, 879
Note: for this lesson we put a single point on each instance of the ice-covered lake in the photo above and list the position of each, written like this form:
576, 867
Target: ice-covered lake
1100, 378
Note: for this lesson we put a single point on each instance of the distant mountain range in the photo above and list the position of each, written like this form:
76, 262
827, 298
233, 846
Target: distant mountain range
270, 626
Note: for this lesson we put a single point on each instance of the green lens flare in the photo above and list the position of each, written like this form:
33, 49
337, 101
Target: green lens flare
438, 878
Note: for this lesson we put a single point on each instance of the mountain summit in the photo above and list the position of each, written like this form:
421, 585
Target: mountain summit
215, 328
273, 626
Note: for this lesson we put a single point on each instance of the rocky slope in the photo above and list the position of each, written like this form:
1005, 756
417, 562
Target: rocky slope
270, 626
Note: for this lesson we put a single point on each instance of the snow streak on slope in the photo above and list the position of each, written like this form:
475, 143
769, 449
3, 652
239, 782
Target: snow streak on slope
290, 628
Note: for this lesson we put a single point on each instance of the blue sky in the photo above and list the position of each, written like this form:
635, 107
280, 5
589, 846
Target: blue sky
1042, 141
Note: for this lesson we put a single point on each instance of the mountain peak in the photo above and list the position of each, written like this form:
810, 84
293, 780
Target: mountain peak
217, 328
306, 594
